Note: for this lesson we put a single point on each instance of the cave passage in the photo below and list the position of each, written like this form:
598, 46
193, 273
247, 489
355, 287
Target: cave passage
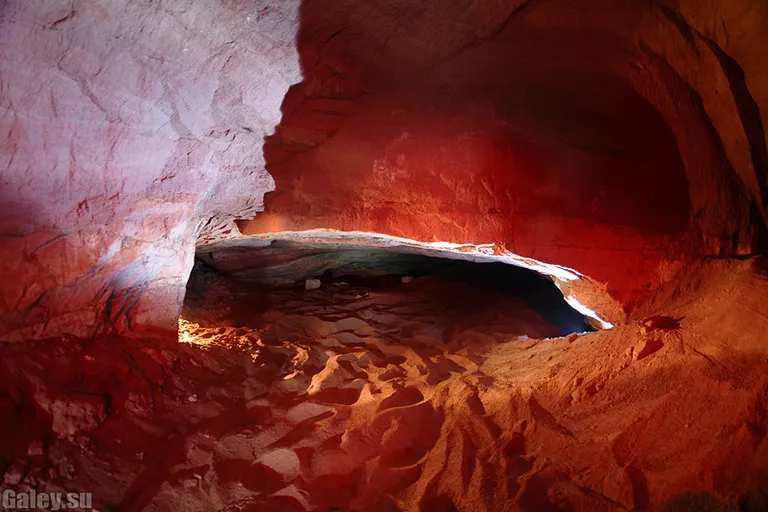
370, 282
344, 255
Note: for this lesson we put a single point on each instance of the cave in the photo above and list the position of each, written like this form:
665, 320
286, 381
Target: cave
335, 255
451, 284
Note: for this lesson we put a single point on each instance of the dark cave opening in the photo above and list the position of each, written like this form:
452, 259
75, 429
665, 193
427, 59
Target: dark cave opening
466, 290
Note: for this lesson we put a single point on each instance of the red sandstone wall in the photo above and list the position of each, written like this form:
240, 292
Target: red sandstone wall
607, 138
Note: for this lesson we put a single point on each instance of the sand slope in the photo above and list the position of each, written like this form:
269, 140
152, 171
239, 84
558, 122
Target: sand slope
404, 399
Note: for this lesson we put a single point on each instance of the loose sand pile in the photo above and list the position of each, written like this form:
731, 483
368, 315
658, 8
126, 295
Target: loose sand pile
420, 396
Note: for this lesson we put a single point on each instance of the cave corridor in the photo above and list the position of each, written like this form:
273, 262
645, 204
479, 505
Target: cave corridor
384, 255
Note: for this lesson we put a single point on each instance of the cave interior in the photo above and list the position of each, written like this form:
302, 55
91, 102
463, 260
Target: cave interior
384, 255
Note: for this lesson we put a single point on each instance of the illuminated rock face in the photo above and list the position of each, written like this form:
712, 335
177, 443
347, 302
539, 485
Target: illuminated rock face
128, 128
620, 139
617, 139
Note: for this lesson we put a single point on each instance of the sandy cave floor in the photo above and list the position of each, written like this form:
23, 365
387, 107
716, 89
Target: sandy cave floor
415, 397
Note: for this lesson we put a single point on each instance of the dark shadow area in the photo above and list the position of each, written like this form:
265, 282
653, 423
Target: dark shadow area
538, 291
287, 265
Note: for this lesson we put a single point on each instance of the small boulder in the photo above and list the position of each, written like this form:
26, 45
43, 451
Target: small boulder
406, 279
312, 284
14, 474
646, 348
72, 416
36, 448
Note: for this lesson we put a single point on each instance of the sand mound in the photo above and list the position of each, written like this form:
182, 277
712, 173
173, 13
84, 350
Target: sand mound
355, 400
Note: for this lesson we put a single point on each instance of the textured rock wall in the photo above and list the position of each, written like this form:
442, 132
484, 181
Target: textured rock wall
127, 128
618, 138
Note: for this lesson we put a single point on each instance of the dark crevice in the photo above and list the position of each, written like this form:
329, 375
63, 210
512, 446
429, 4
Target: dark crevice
748, 109
287, 264
749, 113
684, 28
731, 186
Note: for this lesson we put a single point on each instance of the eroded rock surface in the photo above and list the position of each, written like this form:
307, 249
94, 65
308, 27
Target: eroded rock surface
621, 139
128, 128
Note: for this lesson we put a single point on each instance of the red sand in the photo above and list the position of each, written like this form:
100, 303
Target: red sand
421, 397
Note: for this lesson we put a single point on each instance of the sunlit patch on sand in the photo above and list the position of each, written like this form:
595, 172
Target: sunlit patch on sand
189, 333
